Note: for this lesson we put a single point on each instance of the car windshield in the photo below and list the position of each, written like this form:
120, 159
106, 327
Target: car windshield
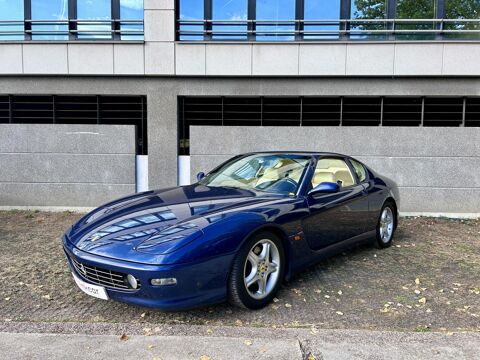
275, 173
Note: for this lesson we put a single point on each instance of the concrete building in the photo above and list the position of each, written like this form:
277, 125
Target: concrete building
93, 95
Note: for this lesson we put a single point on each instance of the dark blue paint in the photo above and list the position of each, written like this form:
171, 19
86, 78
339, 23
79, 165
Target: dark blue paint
193, 233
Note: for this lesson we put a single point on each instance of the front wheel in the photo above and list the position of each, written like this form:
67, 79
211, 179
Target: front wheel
257, 271
386, 225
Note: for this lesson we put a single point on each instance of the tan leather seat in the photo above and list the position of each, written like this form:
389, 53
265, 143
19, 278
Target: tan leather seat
345, 177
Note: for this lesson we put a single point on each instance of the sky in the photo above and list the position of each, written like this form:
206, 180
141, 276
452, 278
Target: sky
58, 9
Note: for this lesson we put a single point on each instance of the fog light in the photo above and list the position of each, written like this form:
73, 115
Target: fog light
132, 281
164, 281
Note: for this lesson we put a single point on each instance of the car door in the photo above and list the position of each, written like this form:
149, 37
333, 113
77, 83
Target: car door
339, 216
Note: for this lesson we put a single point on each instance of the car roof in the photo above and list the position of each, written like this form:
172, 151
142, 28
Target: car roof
309, 153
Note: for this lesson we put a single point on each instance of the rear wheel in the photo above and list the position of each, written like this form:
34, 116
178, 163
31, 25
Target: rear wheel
257, 271
386, 225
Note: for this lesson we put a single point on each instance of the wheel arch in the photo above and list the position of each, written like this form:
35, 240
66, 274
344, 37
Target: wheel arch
394, 203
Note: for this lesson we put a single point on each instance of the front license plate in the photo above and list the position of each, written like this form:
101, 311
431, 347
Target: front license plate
92, 290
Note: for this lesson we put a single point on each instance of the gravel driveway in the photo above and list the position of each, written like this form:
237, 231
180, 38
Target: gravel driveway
428, 281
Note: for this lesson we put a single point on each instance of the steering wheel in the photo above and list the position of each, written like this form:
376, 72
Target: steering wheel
284, 185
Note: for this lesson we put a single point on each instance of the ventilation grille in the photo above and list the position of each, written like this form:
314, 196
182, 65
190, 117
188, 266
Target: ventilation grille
325, 111
76, 109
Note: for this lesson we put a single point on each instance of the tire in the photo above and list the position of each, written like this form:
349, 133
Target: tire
386, 226
264, 283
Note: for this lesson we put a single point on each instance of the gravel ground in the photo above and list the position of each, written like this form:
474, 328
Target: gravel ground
428, 281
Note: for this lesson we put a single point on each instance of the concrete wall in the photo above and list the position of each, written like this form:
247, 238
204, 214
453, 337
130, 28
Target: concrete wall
160, 55
437, 169
65, 165
162, 96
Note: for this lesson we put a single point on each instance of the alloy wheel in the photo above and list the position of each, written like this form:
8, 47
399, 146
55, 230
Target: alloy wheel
261, 270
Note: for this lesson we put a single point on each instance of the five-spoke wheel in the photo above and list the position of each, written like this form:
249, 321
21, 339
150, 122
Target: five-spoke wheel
257, 271
261, 268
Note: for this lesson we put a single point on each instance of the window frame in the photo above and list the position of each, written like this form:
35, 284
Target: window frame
367, 177
347, 164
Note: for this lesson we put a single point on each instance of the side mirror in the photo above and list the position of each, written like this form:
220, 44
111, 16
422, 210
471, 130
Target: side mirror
200, 175
325, 188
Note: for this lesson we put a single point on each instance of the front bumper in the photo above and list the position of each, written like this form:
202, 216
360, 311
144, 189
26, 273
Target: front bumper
198, 284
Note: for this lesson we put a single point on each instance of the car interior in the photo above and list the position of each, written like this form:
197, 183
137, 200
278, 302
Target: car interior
332, 170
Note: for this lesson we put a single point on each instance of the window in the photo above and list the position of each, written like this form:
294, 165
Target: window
321, 10
460, 10
50, 16
276, 173
191, 15
131, 10
359, 170
98, 10
332, 170
416, 9
361, 12
275, 20
233, 15
11, 11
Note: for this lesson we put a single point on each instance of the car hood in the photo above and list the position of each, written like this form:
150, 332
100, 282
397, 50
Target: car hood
142, 226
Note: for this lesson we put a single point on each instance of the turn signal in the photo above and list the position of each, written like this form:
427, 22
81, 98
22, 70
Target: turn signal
164, 281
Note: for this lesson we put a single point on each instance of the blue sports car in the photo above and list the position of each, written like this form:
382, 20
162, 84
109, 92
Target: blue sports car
235, 235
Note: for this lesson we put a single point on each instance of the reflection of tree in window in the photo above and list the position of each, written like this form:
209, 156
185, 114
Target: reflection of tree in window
368, 10
462, 9
416, 9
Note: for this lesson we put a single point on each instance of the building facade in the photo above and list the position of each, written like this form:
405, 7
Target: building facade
99, 99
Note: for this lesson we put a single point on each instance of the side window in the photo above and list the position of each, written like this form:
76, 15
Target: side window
359, 170
332, 170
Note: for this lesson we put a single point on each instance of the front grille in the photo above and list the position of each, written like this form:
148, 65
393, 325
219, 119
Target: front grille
103, 277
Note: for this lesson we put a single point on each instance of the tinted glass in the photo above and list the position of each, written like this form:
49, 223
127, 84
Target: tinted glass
365, 10
359, 170
236, 14
416, 9
461, 10
52, 10
11, 10
191, 10
131, 10
321, 10
277, 16
100, 10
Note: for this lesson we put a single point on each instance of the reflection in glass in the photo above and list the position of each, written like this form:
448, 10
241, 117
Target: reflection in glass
277, 16
462, 9
131, 10
416, 9
49, 16
191, 10
94, 10
233, 11
364, 10
321, 10
12, 11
